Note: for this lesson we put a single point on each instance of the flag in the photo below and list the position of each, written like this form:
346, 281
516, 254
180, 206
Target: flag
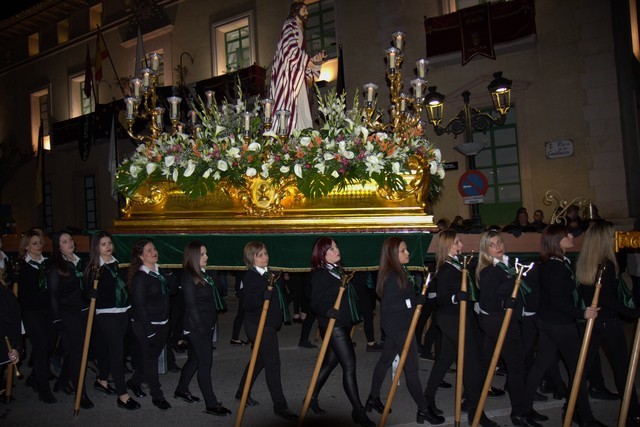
88, 76
140, 54
112, 165
340, 80
40, 169
101, 55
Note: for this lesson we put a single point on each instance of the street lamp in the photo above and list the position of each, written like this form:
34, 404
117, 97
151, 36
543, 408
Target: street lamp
469, 120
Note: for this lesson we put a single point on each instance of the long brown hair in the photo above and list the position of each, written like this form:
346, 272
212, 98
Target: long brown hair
191, 261
484, 259
390, 263
550, 242
445, 241
597, 248
136, 261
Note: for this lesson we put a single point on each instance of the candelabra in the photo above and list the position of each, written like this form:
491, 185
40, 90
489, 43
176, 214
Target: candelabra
562, 205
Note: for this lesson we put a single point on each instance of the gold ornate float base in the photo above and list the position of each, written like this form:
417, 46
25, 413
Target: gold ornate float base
267, 207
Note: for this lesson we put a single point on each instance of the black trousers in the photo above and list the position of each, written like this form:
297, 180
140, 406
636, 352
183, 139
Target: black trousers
366, 302
42, 335
393, 345
512, 355
340, 351
74, 323
269, 359
609, 334
565, 340
112, 329
199, 359
238, 321
146, 369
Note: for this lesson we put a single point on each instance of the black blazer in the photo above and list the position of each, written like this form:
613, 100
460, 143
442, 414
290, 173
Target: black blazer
9, 322
29, 294
107, 284
495, 287
556, 292
395, 311
324, 291
610, 306
254, 286
148, 303
65, 291
449, 280
200, 315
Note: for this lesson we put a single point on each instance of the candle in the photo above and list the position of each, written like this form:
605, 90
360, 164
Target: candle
398, 38
192, 117
155, 61
247, 120
392, 53
417, 87
403, 103
130, 103
421, 66
209, 95
174, 101
282, 120
268, 105
160, 117
135, 83
370, 89
146, 78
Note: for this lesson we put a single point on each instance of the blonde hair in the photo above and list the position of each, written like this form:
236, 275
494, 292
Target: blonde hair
26, 239
445, 241
252, 249
484, 259
597, 248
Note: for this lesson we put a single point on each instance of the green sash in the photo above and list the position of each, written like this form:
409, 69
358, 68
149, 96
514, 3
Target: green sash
472, 289
624, 294
42, 274
163, 281
122, 296
511, 271
220, 304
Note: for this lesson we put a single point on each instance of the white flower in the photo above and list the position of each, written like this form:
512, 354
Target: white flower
284, 169
222, 165
216, 175
328, 156
233, 152
374, 165
251, 172
134, 170
297, 169
305, 141
254, 146
433, 167
395, 167
265, 173
438, 155
169, 160
320, 166
440, 172
218, 130
150, 168
175, 175
191, 166
335, 174
207, 173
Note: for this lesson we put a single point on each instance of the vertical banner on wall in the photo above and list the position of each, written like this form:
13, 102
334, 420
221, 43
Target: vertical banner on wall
475, 32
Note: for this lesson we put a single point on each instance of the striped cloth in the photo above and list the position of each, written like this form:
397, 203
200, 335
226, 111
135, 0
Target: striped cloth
291, 66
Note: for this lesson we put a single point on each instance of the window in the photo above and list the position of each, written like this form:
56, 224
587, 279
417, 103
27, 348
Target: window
39, 102
63, 31
79, 104
95, 16
233, 44
90, 206
34, 44
499, 162
48, 208
320, 29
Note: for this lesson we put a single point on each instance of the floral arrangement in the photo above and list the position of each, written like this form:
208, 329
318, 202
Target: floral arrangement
343, 151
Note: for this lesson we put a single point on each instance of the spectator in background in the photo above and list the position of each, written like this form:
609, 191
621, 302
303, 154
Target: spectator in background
538, 221
456, 224
442, 224
573, 221
520, 225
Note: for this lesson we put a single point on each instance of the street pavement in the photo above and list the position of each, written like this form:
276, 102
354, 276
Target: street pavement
297, 368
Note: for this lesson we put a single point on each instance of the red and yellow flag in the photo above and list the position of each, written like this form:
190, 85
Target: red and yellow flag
101, 55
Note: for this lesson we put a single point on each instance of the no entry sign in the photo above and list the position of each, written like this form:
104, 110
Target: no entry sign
473, 185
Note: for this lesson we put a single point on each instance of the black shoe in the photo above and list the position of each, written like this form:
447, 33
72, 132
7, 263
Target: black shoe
130, 404
187, 397
307, 344
427, 356
46, 396
444, 384
536, 416
85, 402
500, 372
546, 387
633, 421
161, 403
431, 403
495, 393
135, 389
429, 415
313, 405
484, 420
238, 342
523, 421
106, 390
250, 401
464, 406
359, 416
219, 410
286, 414
602, 393
67, 388
375, 347
173, 368
374, 403
539, 397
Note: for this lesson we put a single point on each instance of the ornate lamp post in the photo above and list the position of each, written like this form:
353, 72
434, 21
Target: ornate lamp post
469, 120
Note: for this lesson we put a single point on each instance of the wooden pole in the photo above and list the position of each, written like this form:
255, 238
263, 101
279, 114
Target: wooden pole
9, 372
583, 354
633, 366
254, 354
520, 270
87, 340
461, 338
323, 349
403, 356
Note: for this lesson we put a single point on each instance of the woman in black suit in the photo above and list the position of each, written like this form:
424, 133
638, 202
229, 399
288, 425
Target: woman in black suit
150, 290
202, 302
112, 318
33, 295
255, 283
449, 279
325, 285
608, 332
398, 298
68, 308
558, 316
10, 328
